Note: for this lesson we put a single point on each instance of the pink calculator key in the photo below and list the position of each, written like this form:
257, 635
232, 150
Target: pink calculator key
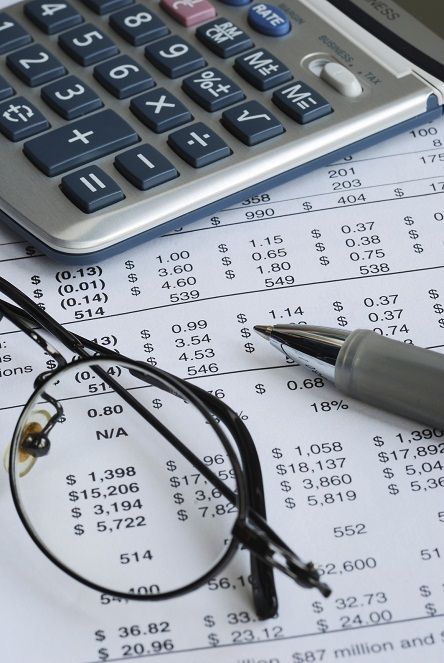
189, 12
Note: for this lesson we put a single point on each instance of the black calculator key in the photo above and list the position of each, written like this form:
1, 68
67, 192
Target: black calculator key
91, 189
212, 89
70, 97
160, 110
198, 145
138, 25
262, 69
6, 90
106, 6
301, 102
20, 119
252, 123
52, 17
145, 167
87, 44
174, 56
35, 65
79, 142
123, 77
223, 37
12, 35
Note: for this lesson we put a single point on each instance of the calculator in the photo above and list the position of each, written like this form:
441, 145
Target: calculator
120, 119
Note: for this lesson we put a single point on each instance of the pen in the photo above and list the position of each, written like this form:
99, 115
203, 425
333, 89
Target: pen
394, 376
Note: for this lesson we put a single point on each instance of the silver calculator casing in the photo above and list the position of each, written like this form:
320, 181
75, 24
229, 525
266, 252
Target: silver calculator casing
396, 94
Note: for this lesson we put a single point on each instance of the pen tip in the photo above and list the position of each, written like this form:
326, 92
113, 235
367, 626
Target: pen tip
264, 330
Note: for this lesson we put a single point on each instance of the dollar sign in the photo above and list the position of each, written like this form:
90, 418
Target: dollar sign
171, 465
229, 274
129, 264
223, 248
38, 294
148, 347
73, 496
418, 248
241, 317
408, 221
322, 625
342, 320
226, 261
213, 639
307, 206
100, 635
424, 590
337, 306
76, 513
79, 530
379, 442
259, 388
441, 322
132, 278
71, 479
399, 193
383, 457
182, 515
245, 332
103, 654
151, 361
249, 347
35, 280
319, 246
30, 251
281, 469
290, 503
145, 333
324, 261
285, 486
316, 233
277, 452
51, 364
438, 308
209, 621
178, 498
430, 609
393, 489
413, 234
135, 290
215, 221
317, 607
174, 481
388, 472
157, 403
433, 294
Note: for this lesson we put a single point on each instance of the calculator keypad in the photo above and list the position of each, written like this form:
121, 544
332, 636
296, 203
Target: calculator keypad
212, 89
252, 123
145, 167
301, 102
138, 25
20, 119
70, 97
6, 89
262, 69
87, 44
160, 110
224, 38
12, 35
123, 77
91, 189
189, 12
174, 56
35, 65
198, 145
52, 18
106, 6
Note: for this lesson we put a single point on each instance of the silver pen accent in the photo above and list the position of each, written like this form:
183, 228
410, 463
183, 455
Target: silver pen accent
391, 375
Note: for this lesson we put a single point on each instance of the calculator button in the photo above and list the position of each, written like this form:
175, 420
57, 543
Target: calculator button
198, 145
223, 38
145, 167
189, 12
301, 102
87, 44
20, 119
106, 6
268, 20
52, 18
251, 123
90, 189
71, 97
174, 56
262, 69
73, 145
341, 79
212, 89
6, 90
138, 25
12, 35
35, 65
160, 110
123, 77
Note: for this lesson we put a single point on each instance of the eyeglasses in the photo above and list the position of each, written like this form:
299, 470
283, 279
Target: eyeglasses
135, 482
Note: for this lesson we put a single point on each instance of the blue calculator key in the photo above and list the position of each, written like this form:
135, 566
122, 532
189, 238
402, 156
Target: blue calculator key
79, 142
224, 38
6, 90
269, 20
12, 35
87, 44
70, 97
236, 3
138, 25
52, 17
174, 56
90, 189
145, 167
20, 119
106, 6
252, 123
160, 110
262, 69
212, 89
35, 65
300, 102
198, 145
123, 77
